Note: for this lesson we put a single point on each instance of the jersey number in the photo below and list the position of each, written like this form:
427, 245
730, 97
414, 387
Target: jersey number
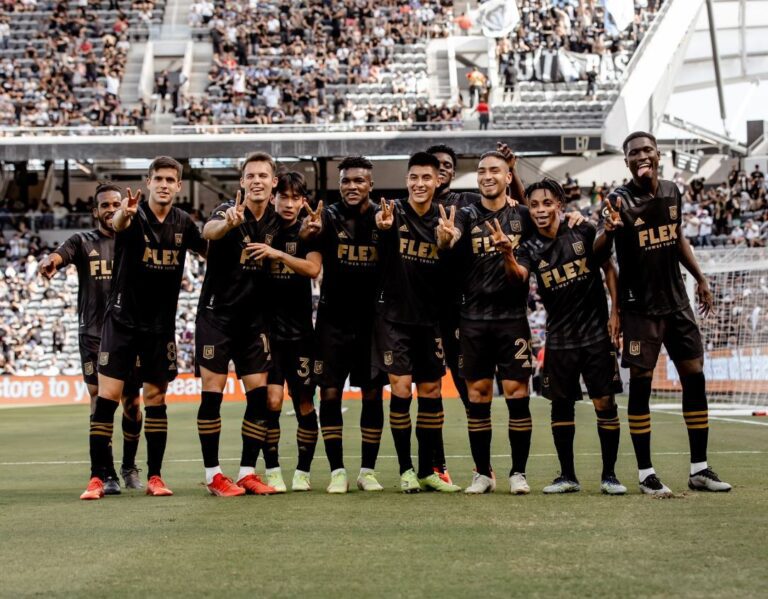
265, 342
526, 349
303, 370
440, 353
171, 355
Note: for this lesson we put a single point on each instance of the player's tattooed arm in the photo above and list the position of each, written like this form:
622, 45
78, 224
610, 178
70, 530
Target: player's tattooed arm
124, 216
447, 232
503, 245
385, 217
612, 283
516, 188
703, 292
234, 216
312, 225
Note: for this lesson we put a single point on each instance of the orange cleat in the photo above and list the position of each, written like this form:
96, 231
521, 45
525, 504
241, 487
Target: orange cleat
444, 476
222, 486
156, 487
254, 486
95, 489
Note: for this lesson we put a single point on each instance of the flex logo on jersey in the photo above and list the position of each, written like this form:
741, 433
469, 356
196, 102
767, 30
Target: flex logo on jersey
278, 269
356, 253
418, 249
101, 268
158, 257
484, 245
248, 262
658, 236
565, 273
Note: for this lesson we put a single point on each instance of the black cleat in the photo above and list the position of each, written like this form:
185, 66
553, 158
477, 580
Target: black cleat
111, 486
130, 475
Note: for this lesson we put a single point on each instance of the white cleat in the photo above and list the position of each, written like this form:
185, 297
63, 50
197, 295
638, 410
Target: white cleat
652, 486
707, 480
274, 478
301, 481
481, 484
366, 481
518, 485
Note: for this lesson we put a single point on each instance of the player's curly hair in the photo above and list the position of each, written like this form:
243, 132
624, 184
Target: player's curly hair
548, 184
443, 149
423, 159
355, 162
292, 181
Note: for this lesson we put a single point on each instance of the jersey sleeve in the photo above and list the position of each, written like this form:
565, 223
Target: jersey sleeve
220, 212
524, 256
70, 249
196, 242
462, 218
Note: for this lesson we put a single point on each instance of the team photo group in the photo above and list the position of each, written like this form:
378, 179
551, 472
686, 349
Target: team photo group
410, 287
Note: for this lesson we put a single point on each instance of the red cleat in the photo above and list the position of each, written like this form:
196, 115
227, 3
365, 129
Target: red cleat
444, 476
254, 486
95, 489
156, 487
222, 486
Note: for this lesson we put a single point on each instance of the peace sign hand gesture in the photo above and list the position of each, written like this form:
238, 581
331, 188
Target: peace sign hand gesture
129, 205
385, 218
500, 239
612, 215
446, 231
313, 223
235, 215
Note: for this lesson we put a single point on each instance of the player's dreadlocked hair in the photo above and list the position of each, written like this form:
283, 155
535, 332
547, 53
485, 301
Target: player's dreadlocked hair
423, 159
355, 162
548, 184
635, 135
292, 181
443, 149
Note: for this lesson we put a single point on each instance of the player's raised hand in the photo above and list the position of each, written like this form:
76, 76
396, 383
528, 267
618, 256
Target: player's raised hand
705, 299
509, 155
130, 204
47, 267
611, 214
500, 239
574, 218
235, 215
314, 220
259, 251
385, 218
512, 202
446, 227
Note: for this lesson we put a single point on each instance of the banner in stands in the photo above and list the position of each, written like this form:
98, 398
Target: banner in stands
553, 66
738, 370
18, 391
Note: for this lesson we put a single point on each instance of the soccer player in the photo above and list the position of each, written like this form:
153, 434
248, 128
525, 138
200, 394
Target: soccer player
92, 254
291, 265
346, 235
231, 325
494, 330
151, 243
580, 335
643, 219
408, 345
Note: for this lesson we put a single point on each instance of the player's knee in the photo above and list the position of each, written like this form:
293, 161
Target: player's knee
687, 367
431, 389
330, 394
154, 395
372, 394
604, 403
515, 389
640, 373
480, 391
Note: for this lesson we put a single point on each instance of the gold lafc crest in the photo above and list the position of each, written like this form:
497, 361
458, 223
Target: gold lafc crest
673, 212
578, 247
178, 238
634, 348
515, 226
268, 239
290, 248
208, 351
388, 358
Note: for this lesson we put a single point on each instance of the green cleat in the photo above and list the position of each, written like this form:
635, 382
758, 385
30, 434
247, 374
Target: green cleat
434, 483
301, 481
339, 483
366, 480
409, 483
273, 477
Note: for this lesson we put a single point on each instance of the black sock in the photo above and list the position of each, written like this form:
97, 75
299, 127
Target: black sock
209, 427
131, 436
156, 433
271, 453
371, 425
100, 436
429, 426
332, 425
696, 415
306, 439
609, 432
520, 428
254, 429
480, 436
563, 431
639, 415
400, 424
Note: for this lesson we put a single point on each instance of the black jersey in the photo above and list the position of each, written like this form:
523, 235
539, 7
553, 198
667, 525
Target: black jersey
570, 285
290, 294
460, 199
487, 293
350, 262
235, 285
650, 281
149, 265
411, 284
92, 254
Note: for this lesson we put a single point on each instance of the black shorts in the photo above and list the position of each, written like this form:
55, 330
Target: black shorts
344, 350
292, 363
449, 330
402, 349
215, 345
89, 355
643, 336
122, 349
490, 344
595, 362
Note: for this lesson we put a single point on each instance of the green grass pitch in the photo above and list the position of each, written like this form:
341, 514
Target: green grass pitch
387, 544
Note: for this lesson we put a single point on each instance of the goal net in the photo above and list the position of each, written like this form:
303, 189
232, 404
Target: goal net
735, 337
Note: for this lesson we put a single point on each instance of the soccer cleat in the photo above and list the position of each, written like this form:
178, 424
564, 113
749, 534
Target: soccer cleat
409, 482
339, 483
707, 480
562, 484
111, 486
253, 485
444, 476
95, 489
301, 481
156, 487
481, 484
518, 485
651, 485
434, 483
273, 477
130, 475
366, 481
610, 485
222, 486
